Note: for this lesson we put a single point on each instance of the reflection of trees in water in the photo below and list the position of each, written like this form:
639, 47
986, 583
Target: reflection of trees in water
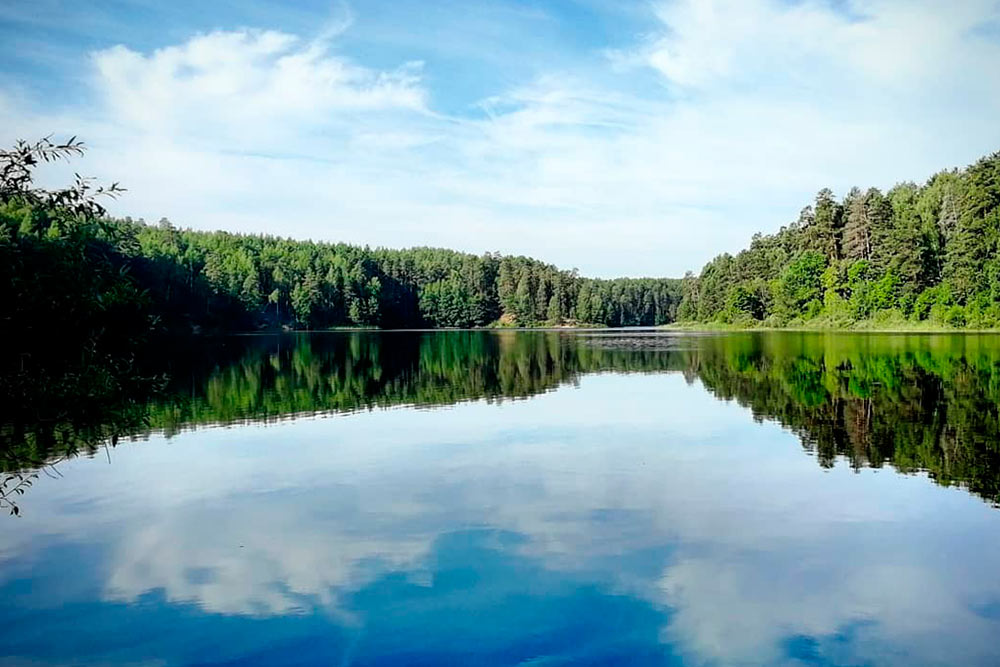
274, 376
52, 423
918, 403
261, 378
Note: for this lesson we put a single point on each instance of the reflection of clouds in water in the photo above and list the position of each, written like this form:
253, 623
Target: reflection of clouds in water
743, 537
742, 607
228, 564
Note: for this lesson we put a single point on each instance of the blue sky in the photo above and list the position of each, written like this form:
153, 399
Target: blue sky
621, 138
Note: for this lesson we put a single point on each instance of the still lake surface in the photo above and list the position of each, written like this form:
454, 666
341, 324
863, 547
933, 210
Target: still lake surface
537, 498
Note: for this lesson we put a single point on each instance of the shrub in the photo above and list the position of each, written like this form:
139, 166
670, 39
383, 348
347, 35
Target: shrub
955, 316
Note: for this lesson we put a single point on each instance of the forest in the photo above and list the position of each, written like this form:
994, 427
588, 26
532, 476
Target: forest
70, 264
915, 254
924, 255
89, 297
220, 280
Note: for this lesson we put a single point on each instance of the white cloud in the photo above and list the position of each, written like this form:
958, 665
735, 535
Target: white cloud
754, 106
813, 45
247, 89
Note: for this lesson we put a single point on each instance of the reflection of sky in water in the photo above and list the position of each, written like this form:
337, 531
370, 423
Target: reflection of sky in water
633, 518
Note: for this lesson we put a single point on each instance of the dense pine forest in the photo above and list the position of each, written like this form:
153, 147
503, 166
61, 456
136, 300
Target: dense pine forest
69, 263
223, 280
913, 254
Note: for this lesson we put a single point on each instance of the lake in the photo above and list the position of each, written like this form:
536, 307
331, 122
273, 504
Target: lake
501, 498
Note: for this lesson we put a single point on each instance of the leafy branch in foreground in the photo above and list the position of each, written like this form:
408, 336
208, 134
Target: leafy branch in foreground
17, 167
74, 315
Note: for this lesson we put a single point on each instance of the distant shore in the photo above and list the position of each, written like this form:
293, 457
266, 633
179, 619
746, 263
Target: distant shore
861, 326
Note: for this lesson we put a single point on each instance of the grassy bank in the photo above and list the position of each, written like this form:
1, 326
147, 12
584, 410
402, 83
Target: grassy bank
871, 326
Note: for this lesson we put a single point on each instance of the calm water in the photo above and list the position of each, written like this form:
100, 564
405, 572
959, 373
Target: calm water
519, 498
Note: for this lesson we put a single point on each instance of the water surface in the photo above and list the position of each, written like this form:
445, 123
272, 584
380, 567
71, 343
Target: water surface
519, 498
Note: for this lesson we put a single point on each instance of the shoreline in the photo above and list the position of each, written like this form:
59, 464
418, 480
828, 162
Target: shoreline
865, 326
685, 327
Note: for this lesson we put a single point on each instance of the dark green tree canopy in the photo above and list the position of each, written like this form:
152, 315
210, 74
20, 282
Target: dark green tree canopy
914, 253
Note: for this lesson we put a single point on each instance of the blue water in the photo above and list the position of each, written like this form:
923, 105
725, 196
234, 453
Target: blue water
619, 518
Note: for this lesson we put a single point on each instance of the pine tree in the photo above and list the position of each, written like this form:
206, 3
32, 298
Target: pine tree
878, 212
827, 228
524, 304
541, 299
506, 286
688, 309
583, 313
554, 312
905, 246
857, 230
971, 244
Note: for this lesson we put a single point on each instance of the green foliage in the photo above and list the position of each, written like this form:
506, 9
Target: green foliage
799, 286
71, 266
744, 302
448, 303
955, 316
927, 253
885, 292
74, 312
938, 297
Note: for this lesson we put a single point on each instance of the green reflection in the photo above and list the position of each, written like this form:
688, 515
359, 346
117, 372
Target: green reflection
916, 402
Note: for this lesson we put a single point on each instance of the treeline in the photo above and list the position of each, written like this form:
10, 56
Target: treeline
914, 253
72, 266
223, 280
